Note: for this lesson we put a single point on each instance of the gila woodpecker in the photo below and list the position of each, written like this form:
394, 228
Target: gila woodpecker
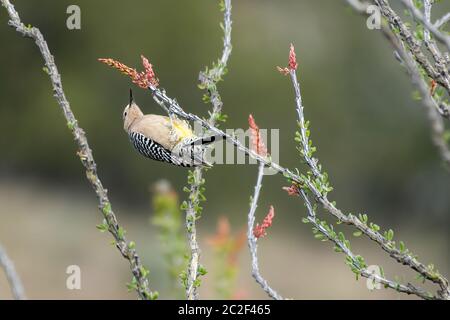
166, 139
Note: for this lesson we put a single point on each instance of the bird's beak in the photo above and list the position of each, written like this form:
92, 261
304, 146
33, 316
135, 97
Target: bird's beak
131, 96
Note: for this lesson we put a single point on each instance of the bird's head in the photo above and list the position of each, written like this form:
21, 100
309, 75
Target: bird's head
131, 113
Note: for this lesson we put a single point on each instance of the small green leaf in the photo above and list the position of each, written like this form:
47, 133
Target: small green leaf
184, 205
154, 295
102, 227
390, 235
202, 270
402, 246
106, 209
319, 236
121, 232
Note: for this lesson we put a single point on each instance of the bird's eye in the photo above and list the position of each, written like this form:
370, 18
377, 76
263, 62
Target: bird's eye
125, 114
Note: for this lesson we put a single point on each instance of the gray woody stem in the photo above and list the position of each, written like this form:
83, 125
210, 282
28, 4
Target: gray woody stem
313, 164
408, 289
11, 275
252, 240
436, 125
385, 244
441, 37
436, 71
209, 81
439, 23
84, 153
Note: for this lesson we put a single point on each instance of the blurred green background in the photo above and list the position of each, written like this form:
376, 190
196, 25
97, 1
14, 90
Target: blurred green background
372, 139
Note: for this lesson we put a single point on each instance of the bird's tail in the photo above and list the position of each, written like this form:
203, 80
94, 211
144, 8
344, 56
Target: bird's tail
194, 157
192, 150
206, 140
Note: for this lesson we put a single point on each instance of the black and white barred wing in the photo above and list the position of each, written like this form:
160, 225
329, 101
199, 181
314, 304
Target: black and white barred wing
153, 150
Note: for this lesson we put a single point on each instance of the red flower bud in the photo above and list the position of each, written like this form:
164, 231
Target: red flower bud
260, 230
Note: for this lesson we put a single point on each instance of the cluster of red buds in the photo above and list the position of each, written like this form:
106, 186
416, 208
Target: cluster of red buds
257, 143
292, 65
293, 190
143, 79
260, 230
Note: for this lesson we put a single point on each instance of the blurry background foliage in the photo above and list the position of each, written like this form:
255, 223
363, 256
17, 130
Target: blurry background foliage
372, 137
